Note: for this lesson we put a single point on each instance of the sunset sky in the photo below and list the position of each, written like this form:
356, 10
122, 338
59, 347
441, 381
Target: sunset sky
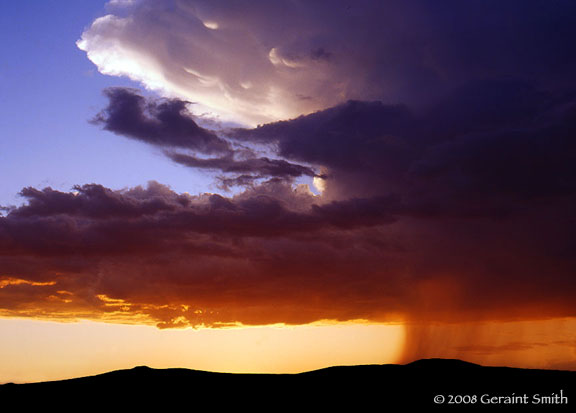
284, 185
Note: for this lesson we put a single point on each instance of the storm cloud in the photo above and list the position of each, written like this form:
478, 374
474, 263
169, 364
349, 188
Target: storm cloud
262, 166
164, 123
492, 145
168, 124
442, 136
201, 252
261, 61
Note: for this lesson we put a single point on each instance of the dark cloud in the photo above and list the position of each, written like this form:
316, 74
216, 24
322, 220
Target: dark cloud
274, 254
444, 135
140, 212
226, 183
164, 123
462, 211
342, 137
134, 245
487, 148
168, 124
320, 54
95, 201
260, 166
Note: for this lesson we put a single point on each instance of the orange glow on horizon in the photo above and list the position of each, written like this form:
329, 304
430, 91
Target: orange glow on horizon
33, 350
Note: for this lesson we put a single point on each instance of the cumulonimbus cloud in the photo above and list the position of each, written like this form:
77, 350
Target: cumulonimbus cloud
454, 213
261, 61
445, 147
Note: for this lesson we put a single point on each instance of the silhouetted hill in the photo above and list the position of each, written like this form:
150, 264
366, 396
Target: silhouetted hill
462, 385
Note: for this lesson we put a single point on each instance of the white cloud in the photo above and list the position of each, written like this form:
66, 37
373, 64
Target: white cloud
245, 64
260, 60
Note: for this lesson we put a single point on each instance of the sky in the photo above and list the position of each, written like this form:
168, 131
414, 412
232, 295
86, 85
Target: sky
328, 182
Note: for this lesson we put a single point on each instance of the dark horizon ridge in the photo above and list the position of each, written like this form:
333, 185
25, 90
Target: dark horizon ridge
414, 384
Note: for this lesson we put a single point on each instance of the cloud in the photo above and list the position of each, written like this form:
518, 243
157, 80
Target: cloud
95, 201
272, 254
164, 123
261, 61
485, 149
261, 166
443, 137
168, 124
460, 212
165, 258
352, 136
